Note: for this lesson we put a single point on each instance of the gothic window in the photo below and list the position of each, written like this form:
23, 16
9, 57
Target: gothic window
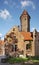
15, 47
28, 46
12, 48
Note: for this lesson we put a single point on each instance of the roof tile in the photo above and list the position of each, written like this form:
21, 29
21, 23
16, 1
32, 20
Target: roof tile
27, 35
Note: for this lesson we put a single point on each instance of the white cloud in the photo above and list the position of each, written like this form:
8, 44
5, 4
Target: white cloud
27, 3
33, 29
5, 14
0, 35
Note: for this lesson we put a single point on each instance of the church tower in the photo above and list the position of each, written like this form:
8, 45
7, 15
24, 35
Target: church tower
25, 21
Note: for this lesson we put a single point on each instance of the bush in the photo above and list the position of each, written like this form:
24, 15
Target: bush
35, 58
17, 60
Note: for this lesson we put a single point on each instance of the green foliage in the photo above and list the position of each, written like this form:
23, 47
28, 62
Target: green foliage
17, 60
35, 58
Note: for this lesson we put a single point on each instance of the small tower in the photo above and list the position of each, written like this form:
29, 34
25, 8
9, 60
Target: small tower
25, 21
34, 44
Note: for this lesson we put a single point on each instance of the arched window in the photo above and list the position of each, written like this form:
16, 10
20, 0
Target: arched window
28, 46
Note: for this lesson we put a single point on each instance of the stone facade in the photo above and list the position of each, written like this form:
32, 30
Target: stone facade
22, 42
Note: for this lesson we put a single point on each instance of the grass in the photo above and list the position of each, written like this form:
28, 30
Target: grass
18, 60
35, 61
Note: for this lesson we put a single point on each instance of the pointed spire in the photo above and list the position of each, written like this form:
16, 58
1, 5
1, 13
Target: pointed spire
25, 13
35, 30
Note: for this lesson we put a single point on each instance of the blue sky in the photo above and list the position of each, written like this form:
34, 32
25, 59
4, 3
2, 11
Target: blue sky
10, 11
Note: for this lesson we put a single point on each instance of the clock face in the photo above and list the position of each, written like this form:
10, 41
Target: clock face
25, 18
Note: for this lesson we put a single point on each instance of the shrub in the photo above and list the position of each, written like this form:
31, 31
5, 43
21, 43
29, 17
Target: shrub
17, 60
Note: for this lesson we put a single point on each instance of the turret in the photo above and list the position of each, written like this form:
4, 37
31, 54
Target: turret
25, 21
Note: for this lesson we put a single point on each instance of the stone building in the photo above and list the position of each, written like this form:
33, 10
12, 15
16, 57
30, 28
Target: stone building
2, 52
22, 41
